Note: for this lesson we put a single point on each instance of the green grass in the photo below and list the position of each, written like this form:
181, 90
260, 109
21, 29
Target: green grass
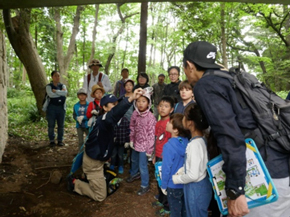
24, 120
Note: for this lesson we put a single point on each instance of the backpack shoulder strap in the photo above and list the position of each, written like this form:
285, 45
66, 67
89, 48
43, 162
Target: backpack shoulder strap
89, 79
100, 76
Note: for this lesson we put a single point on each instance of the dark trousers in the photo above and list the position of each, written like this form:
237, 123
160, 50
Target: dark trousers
117, 155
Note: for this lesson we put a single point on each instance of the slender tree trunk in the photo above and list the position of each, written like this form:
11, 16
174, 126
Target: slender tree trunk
223, 36
97, 7
3, 96
64, 60
19, 36
143, 38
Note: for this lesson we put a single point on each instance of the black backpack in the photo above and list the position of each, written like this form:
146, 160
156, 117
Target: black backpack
271, 112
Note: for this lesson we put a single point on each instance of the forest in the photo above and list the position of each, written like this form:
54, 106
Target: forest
255, 37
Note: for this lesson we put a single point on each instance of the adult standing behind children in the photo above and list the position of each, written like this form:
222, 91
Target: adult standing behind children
99, 146
165, 108
226, 117
119, 89
55, 108
96, 77
158, 89
142, 81
79, 114
172, 88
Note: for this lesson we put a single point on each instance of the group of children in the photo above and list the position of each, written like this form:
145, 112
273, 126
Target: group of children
176, 140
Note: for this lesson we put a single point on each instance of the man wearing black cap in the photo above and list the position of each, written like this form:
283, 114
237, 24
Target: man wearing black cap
96, 77
157, 93
226, 117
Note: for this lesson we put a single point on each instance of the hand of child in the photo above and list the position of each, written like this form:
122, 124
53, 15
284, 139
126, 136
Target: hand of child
94, 112
80, 119
180, 171
164, 191
132, 145
127, 145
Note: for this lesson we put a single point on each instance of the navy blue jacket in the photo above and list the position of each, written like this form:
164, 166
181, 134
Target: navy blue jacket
218, 101
100, 143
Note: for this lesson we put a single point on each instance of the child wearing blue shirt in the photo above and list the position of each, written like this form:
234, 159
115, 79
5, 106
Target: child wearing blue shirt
79, 114
173, 159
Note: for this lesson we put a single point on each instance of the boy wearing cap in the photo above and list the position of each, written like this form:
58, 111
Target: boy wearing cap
79, 114
99, 146
158, 89
96, 77
226, 117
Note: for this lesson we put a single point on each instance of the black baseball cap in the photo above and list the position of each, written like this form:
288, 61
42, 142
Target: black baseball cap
202, 53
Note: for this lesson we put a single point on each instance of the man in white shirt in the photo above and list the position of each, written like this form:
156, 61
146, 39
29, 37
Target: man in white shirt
96, 77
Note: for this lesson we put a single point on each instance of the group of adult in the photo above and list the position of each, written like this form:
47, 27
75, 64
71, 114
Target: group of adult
219, 103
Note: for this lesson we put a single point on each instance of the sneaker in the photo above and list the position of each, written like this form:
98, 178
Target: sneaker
112, 167
133, 178
143, 191
70, 184
157, 204
162, 212
121, 170
60, 143
52, 144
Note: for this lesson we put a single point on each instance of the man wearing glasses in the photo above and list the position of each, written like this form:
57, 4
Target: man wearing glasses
172, 88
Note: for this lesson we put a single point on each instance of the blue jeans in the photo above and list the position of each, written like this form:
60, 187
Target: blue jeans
175, 199
118, 151
197, 196
55, 113
139, 162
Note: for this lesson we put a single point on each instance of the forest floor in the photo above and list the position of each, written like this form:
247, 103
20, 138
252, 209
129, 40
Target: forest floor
26, 187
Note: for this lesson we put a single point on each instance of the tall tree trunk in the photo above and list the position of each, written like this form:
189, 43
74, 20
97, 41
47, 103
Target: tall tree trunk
3, 95
223, 36
19, 36
94, 35
143, 38
115, 37
64, 60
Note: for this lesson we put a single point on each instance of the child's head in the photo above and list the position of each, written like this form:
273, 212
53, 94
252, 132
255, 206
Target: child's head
108, 102
97, 92
194, 118
82, 94
175, 126
125, 73
185, 90
142, 78
129, 85
143, 103
165, 106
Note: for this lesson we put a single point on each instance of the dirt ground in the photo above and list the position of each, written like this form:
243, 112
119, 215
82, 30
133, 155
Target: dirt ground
26, 188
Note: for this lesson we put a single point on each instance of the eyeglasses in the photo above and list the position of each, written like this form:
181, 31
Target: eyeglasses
173, 74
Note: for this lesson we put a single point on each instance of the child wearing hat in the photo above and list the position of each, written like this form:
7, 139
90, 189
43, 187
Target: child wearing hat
79, 114
94, 106
99, 146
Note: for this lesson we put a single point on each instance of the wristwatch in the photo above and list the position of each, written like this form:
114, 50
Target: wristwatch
232, 194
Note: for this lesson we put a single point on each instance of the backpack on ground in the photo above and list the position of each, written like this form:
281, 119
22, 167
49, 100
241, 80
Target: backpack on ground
271, 112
